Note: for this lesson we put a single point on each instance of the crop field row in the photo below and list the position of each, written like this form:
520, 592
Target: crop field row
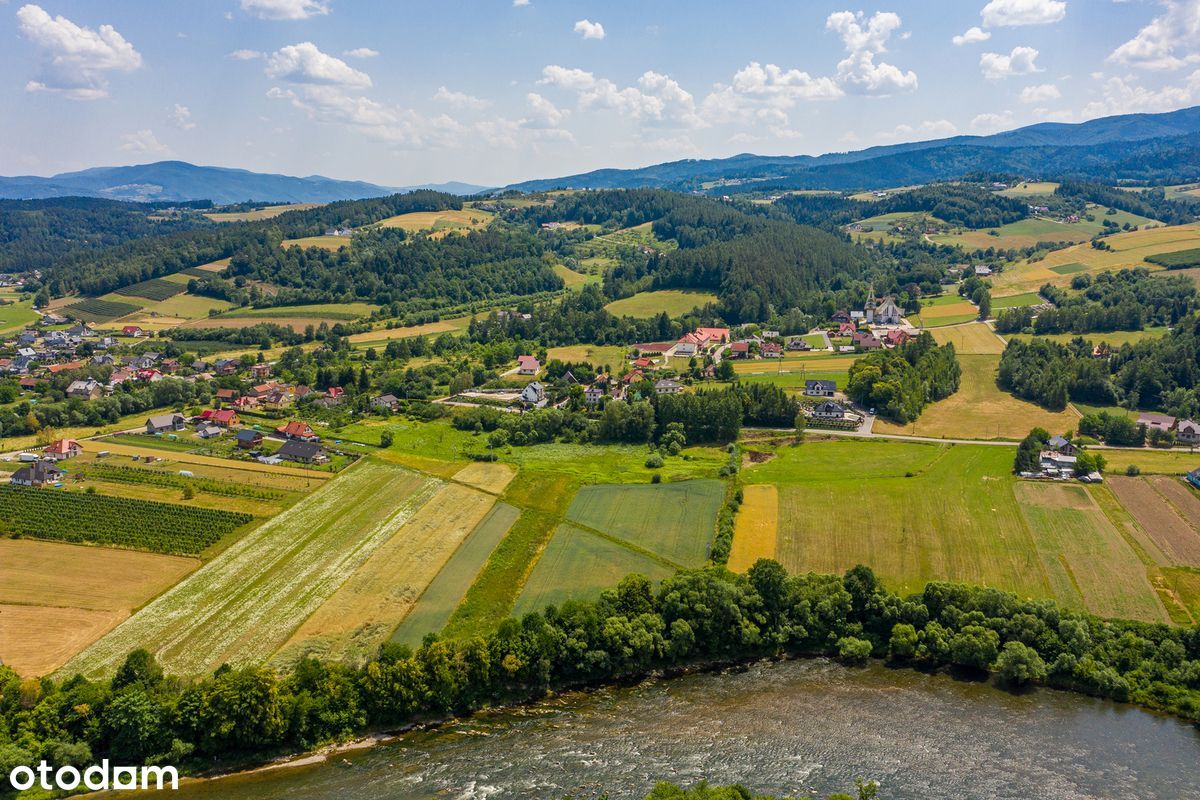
266, 212
96, 310
1168, 511
153, 289
104, 519
245, 603
1179, 259
954, 513
57, 598
365, 610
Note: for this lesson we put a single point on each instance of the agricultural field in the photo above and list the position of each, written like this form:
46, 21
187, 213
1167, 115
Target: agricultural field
439, 600
1192, 274
1028, 232
464, 219
15, 313
1182, 259
1016, 301
365, 610
343, 312
973, 338
116, 520
492, 478
1111, 338
878, 228
99, 311
257, 214
756, 526
595, 354
949, 512
57, 598
572, 279
332, 243
245, 603
947, 309
604, 248
674, 302
153, 289
1152, 461
981, 410
381, 336
1168, 512
1030, 189
792, 371
1128, 250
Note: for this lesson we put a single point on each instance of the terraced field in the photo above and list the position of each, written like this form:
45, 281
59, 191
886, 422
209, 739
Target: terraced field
245, 603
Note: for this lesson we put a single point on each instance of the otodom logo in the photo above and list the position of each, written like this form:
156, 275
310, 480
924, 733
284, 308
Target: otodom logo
97, 778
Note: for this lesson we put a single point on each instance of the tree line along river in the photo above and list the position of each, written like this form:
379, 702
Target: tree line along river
790, 727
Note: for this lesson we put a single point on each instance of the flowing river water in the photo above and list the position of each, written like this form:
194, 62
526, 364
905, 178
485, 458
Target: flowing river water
789, 728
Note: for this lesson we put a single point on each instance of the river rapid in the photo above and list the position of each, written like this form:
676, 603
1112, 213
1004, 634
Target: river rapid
791, 727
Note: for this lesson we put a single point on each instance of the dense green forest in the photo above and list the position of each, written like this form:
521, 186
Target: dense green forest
35, 234
1162, 373
1129, 300
701, 616
900, 382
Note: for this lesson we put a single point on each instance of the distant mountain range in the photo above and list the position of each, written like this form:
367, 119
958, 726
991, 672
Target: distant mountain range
180, 181
1131, 146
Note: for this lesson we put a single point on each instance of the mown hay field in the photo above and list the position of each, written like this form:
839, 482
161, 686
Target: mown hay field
675, 521
1112, 338
579, 565
675, 302
595, 354
381, 336
981, 410
1128, 250
974, 338
332, 243
57, 598
756, 527
491, 477
959, 516
572, 279
254, 215
949, 309
365, 610
449, 219
1167, 511
443, 595
246, 602
1152, 462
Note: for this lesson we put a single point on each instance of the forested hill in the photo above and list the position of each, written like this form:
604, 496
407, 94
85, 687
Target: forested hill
756, 261
1139, 147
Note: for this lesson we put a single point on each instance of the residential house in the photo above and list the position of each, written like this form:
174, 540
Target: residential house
225, 418
866, 341
798, 343
38, 473
103, 360
1153, 421
119, 376
132, 330
162, 423
528, 365
771, 350
63, 448
83, 331
840, 317
714, 335
896, 337
298, 430
1056, 462
1060, 444
667, 386
592, 394
260, 371
739, 350
209, 431
225, 366
847, 329
248, 438
688, 346
226, 395
262, 389
85, 390
28, 384
829, 410
643, 363
304, 452
983, 270
820, 388
533, 394
385, 401
243, 403
770, 334
633, 376
1187, 431
169, 366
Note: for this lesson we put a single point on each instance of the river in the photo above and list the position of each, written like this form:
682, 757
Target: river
790, 727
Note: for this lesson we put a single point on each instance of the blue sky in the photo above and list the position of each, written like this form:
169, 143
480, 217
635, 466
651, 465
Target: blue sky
494, 91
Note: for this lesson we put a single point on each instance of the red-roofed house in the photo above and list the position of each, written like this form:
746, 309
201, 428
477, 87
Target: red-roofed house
226, 418
739, 349
54, 369
846, 329
245, 402
335, 392
227, 395
298, 430
63, 448
771, 350
132, 330
714, 335
633, 376
528, 365
896, 337
260, 371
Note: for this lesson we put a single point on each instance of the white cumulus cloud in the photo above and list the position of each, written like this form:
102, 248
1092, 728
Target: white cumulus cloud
1012, 13
656, 99
865, 39
305, 63
1123, 96
285, 9
992, 122
75, 59
1169, 41
1040, 93
361, 52
144, 142
1021, 61
589, 30
458, 99
182, 117
972, 35
245, 55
